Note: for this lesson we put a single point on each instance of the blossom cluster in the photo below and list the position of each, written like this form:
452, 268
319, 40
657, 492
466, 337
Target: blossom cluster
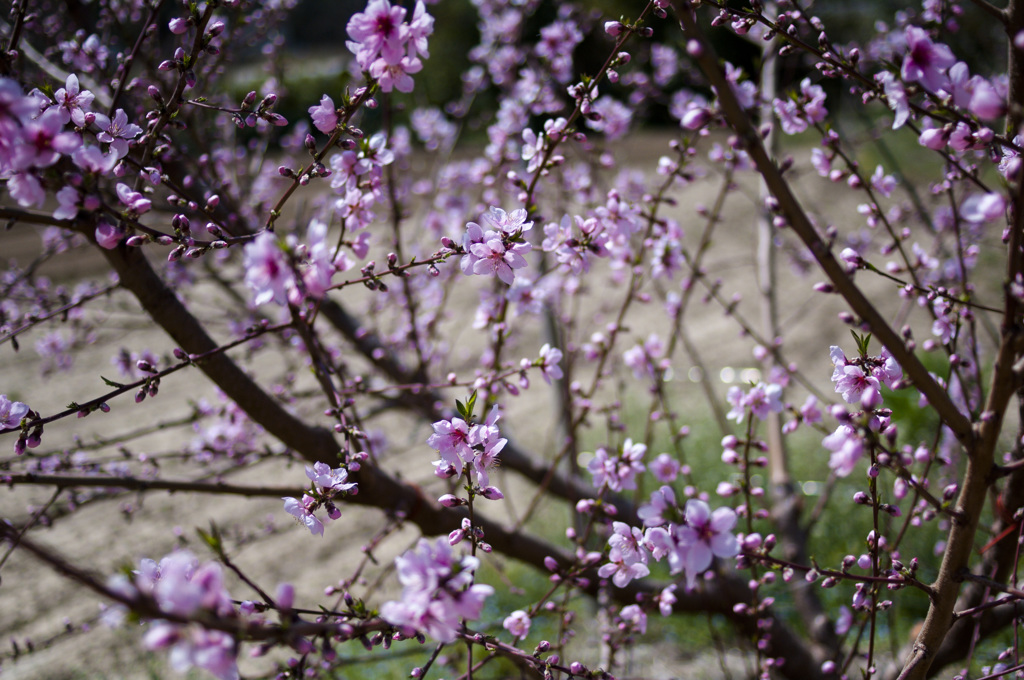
326, 485
438, 591
498, 249
182, 587
387, 47
474, 447
36, 131
689, 538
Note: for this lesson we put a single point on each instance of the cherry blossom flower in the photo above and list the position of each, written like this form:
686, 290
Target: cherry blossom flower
706, 535
451, 440
26, 189
108, 236
11, 412
74, 102
324, 115
557, 42
379, 28
438, 591
303, 510
517, 623
550, 356
92, 159
319, 264
628, 541
615, 118
666, 598
896, 97
117, 132
44, 142
621, 570
212, 650
499, 251
618, 472
925, 60
421, 26
493, 258
397, 74
634, 617
665, 468
980, 208
267, 271
182, 586
761, 400
327, 479
136, 202
847, 449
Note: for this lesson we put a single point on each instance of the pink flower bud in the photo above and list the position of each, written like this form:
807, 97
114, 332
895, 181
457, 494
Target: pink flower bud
285, 595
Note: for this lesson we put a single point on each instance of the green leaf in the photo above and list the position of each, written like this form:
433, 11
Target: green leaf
111, 383
212, 538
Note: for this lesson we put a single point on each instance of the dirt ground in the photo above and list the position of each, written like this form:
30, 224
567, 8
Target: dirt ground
36, 604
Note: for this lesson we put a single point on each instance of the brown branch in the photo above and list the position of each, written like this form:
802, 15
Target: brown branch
798, 221
136, 484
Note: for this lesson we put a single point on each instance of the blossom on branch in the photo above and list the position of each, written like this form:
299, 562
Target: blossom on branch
438, 591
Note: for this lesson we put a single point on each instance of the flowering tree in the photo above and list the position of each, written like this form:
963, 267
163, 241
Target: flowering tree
321, 274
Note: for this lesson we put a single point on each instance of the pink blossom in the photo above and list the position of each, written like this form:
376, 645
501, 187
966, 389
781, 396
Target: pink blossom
618, 472
44, 142
925, 60
509, 223
981, 208
26, 189
934, 138
615, 118
319, 263
661, 508
556, 45
451, 440
895, 97
517, 623
847, 449
629, 542
92, 159
438, 591
492, 258
135, 201
108, 236
666, 598
634, 617
117, 132
11, 412
395, 74
665, 468
883, 183
267, 271
73, 102
329, 481
303, 510
620, 570
761, 400
851, 379
421, 26
986, 102
378, 29
706, 535
550, 356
